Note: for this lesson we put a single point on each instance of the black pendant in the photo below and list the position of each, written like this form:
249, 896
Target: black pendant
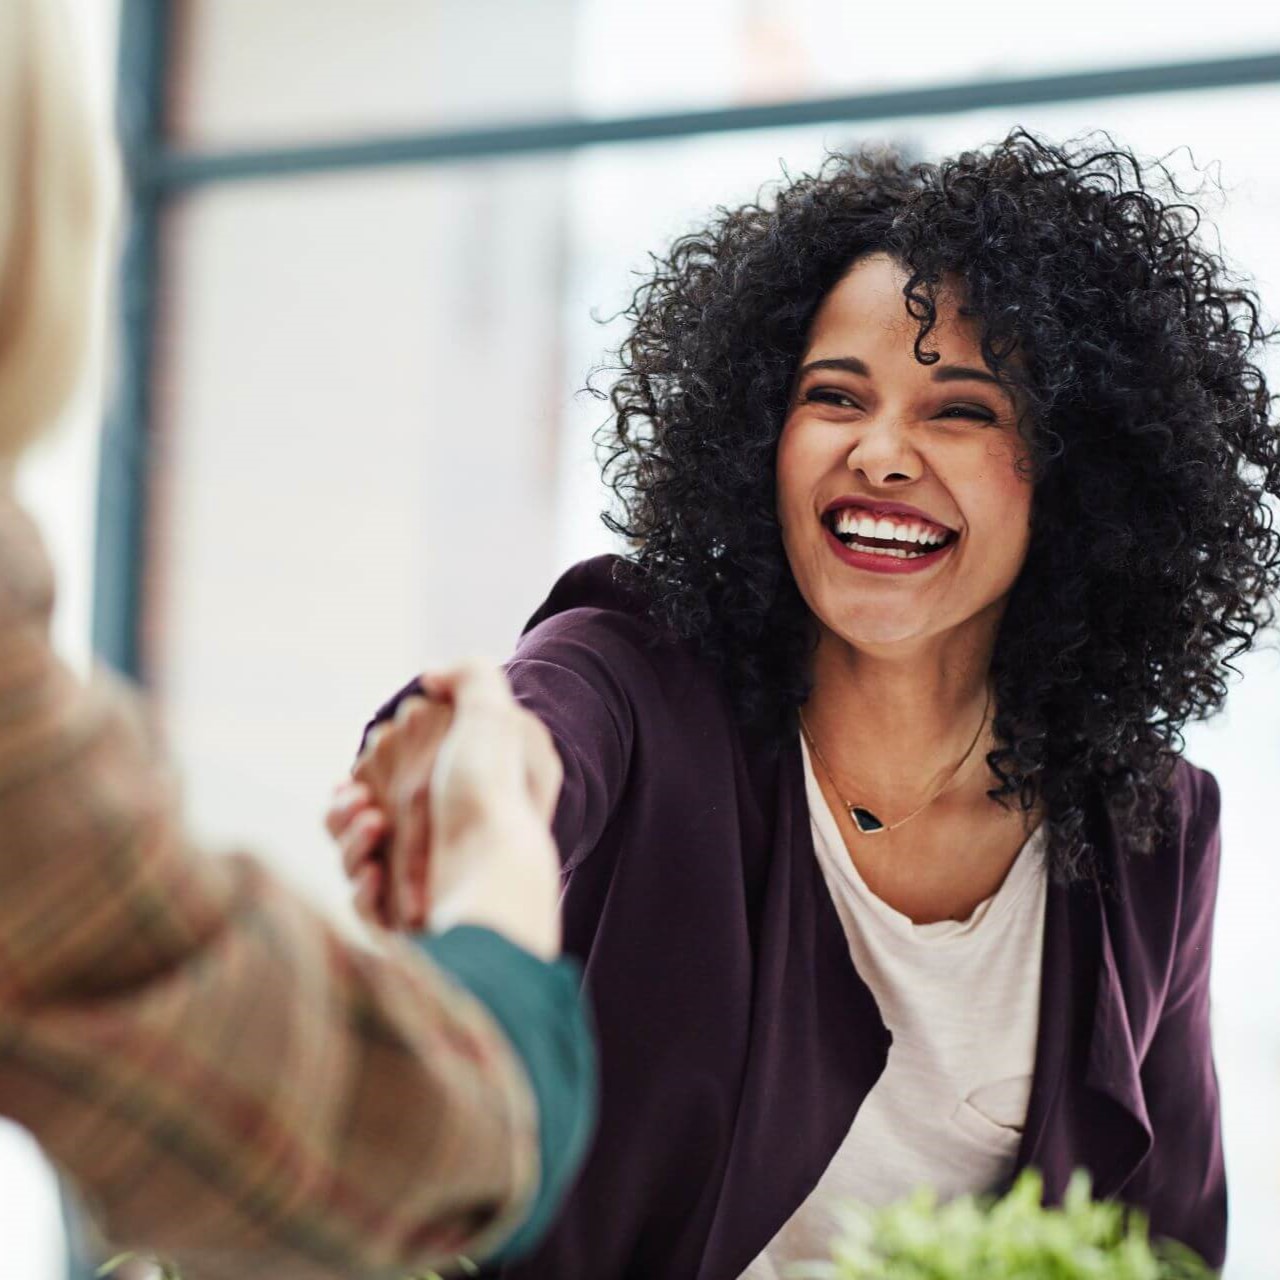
865, 820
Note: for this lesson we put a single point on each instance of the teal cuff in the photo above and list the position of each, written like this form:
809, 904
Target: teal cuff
540, 1007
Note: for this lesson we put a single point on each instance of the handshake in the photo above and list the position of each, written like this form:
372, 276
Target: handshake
445, 818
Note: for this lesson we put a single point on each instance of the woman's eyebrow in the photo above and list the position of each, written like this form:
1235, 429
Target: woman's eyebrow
848, 364
962, 373
940, 373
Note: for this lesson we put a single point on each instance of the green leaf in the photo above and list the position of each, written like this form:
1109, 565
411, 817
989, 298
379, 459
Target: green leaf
1014, 1238
112, 1263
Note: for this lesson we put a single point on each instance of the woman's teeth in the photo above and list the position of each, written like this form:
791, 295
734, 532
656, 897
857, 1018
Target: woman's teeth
899, 553
876, 535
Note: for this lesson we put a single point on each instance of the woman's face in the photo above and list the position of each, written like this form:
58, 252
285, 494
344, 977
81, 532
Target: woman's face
904, 512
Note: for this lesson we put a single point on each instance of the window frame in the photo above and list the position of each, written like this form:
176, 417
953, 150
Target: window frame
157, 172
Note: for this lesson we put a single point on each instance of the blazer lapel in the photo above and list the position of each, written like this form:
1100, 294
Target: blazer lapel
1114, 1150
1087, 1108
1064, 962
817, 1046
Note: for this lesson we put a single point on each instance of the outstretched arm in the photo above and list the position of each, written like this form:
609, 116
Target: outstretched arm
228, 1081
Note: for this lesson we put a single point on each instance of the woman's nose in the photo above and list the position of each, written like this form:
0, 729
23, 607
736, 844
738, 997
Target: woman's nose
883, 454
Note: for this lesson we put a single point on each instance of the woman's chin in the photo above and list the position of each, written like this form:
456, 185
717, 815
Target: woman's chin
871, 629
899, 629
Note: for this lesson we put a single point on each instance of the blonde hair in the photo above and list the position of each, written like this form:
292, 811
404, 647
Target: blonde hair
53, 206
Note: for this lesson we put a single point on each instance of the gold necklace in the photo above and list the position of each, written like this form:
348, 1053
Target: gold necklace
862, 817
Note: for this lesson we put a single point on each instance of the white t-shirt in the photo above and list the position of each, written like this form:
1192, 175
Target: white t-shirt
962, 1000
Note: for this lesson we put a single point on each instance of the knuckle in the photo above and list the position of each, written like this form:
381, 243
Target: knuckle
361, 895
435, 721
418, 792
352, 860
412, 711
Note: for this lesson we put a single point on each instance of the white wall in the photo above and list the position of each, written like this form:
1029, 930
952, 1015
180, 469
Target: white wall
359, 399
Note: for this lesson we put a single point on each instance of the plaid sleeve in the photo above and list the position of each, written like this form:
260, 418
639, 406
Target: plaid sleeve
226, 1080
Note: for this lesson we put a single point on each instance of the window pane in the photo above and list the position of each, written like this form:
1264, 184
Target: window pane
360, 396
668, 54
252, 73
263, 72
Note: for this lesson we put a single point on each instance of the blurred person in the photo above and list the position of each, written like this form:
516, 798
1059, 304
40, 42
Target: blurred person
947, 490
225, 1079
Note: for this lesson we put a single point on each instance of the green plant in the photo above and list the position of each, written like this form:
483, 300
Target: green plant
1014, 1238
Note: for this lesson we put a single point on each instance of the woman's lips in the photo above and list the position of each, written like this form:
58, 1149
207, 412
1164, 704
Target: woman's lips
886, 564
874, 507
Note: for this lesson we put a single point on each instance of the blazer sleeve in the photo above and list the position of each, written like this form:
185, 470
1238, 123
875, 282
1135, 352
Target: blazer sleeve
574, 672
227, 1080
1186, 1188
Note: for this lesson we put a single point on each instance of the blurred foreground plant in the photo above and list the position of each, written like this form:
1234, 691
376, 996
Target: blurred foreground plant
975, 1238
1014, 1238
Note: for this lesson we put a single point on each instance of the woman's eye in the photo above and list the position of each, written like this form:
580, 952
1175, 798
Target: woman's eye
971, 411
830, 395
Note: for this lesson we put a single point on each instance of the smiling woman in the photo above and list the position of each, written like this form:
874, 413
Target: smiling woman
946, 487
862, 429
932, 578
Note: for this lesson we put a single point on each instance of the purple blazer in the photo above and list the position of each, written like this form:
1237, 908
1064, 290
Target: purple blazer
737, 1040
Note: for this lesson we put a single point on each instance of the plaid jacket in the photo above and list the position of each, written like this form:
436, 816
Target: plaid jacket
226, 1081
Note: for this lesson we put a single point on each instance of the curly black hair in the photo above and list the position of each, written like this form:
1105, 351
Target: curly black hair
1153, 559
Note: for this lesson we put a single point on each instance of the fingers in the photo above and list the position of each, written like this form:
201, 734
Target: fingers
445, 759
409, 863
387, 815
357, 826
468, 684
502, 737
349, 797
368, 894
423, 725
361, 839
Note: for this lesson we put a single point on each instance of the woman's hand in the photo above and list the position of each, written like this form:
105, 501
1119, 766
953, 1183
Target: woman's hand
446, 818
391, 779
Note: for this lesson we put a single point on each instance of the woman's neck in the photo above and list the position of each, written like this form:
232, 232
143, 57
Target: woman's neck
894, 724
